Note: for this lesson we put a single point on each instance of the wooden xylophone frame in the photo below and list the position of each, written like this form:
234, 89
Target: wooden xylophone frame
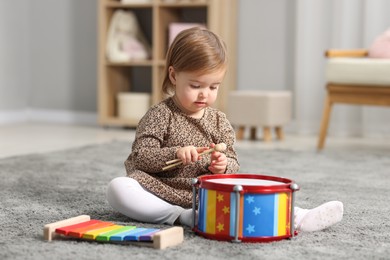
162, 239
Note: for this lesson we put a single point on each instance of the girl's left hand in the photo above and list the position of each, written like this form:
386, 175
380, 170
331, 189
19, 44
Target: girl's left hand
218, 162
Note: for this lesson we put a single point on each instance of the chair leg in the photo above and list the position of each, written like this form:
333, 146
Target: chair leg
267, 134
240, 133
253, 133
324, 122
279, 133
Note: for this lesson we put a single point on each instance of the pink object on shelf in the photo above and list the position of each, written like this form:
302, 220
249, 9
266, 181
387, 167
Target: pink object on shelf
176, 28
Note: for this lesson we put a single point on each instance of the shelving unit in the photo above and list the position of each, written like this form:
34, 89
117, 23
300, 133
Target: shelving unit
146, 76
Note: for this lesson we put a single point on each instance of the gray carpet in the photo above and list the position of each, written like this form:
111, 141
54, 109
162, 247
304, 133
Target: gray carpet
43, 188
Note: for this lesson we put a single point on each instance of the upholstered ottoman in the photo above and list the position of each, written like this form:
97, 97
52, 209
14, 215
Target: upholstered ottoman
259, 108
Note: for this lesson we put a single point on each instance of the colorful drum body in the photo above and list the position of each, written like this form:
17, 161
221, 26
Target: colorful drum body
245, 207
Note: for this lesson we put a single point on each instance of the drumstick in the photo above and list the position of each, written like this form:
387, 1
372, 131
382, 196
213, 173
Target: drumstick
219, 147
173, 163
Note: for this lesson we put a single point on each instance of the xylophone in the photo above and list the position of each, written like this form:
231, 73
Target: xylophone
82, 227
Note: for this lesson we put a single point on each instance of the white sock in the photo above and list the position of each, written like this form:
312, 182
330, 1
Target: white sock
186, 217
319, 218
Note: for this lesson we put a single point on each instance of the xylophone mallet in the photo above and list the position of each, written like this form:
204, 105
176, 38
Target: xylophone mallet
173, 163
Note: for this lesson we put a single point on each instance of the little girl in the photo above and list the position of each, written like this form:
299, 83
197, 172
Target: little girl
196, 63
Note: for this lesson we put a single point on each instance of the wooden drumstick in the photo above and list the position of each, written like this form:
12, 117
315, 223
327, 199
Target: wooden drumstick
173, 163
218, 147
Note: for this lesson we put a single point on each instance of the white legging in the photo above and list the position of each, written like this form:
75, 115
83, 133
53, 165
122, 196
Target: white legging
128, 197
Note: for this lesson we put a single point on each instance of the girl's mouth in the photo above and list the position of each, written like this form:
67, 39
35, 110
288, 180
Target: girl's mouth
198, 103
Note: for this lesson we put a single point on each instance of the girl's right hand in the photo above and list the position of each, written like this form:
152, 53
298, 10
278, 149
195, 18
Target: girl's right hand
189, 154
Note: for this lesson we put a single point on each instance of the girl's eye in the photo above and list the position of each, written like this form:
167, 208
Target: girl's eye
213, 87
195, 86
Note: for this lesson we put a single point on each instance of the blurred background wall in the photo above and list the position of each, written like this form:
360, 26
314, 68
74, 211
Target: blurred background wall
48, 58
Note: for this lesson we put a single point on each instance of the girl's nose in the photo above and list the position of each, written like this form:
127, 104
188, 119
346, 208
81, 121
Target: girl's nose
203, 93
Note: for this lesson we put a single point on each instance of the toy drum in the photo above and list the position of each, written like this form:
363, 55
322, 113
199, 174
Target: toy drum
244, 207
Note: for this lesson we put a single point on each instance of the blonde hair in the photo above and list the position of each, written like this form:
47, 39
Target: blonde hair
194, 50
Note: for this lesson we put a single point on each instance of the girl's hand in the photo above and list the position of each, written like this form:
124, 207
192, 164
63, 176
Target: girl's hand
218, 162
189, 154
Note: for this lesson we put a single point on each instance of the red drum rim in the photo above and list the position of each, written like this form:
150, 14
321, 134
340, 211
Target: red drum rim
284, 186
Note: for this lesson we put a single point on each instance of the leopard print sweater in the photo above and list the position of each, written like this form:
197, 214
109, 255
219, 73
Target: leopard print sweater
159, 134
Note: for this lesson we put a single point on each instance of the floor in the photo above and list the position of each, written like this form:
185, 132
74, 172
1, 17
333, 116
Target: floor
26, 138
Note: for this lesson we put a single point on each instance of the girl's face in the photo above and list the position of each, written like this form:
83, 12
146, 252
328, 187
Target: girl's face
194, 92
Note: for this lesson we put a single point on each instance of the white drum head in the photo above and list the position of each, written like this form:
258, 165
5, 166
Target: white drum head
245, 182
